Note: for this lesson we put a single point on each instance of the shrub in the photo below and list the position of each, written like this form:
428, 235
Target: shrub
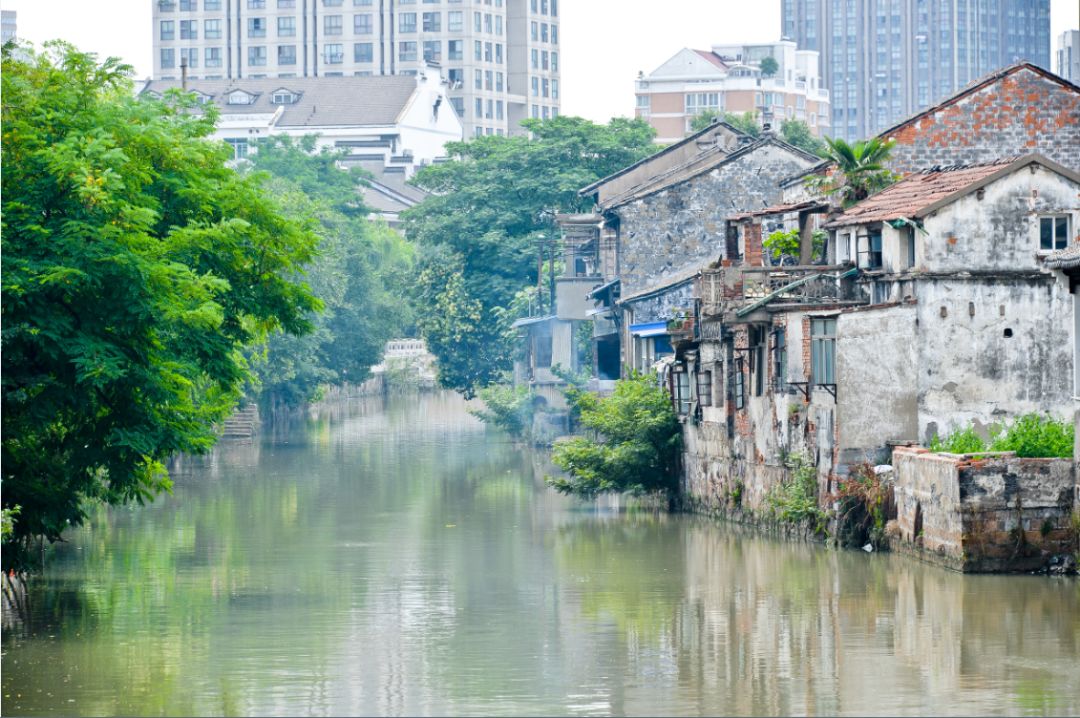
866, 503
795, 500
636, 444
506, 407
964, 441
1037, 436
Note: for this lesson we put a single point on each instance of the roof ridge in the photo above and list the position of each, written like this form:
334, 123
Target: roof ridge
970, 166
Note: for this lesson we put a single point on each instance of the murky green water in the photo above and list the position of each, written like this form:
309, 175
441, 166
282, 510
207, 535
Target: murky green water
398, 560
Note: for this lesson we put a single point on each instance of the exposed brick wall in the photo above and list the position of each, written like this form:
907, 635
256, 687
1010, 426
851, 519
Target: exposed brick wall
1021, 113
752, 242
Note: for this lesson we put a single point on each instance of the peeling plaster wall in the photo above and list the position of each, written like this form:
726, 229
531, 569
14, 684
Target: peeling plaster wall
876, 374
683, 226
1021, 113
969, 371
1000, 231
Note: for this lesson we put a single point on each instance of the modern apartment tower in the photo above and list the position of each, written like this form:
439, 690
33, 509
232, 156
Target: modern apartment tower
8, 25
1068, 56
883, 60
500, 57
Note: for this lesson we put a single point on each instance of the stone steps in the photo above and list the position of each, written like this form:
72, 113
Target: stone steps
243, 424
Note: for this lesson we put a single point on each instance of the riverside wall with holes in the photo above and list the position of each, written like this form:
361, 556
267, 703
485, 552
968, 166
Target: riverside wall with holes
983, 513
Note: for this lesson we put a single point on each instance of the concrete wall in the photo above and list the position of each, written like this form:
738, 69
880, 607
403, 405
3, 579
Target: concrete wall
571, 297
877, 400
1001, 230
683, 226
970, 371
991, 513
1021, 113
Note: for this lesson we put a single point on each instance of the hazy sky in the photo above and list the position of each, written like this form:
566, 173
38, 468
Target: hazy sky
604, 42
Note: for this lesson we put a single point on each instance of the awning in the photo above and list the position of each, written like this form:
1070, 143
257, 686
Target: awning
527, 321
649, 329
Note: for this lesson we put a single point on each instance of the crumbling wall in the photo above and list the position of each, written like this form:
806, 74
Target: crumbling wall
991, 348
983, 513
1021, 113
684, 225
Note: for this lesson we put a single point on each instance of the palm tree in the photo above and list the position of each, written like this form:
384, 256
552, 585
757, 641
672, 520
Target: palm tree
860, 169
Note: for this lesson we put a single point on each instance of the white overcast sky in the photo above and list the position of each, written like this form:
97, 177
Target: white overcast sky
604, 42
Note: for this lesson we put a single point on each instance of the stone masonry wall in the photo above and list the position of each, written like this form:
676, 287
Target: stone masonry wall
684, 225
984, 513
1023, 112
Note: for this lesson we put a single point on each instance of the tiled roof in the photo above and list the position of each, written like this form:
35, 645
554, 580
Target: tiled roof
323, 101
713, 58
1068, 258
781, 209
912, 196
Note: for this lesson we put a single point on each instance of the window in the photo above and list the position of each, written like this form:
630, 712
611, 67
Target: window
478, 50
189, 29
1053, 233
490, 110
823, 350
487, 52
239, 146
489, 80
873, 260
757, 358
704, 387
498, 53
432, 22
168, 29
189, 5
545, 57
545, 87
535, 56
554, 62
212, 29
534, 29
331, 3
455, 21
698, 102
333, 53
479, 107
779, 360
407, 51
283, 97
212, 5
739, 385
332, 25
535, 82
212, 57
477, 18
190, 56
459, 106
909, 236
362, 24
643, 102
286, 3
499, 113
286, 26
543, 32
455, 50
554, 34
680, 380
487, 23
433, 50
363, 52
498, 82
168, 57
286, 54
256, 55
407, 22
498, 25
256, 27
257, 4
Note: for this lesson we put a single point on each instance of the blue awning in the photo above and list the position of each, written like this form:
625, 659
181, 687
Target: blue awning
649, 329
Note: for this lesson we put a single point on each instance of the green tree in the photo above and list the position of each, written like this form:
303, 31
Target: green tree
859, 169
798, 133
137, 268
637, 445
769, 66
358, 273
747, 122
492, 206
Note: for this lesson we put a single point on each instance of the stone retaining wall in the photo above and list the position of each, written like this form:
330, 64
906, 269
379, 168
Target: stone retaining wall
989, 512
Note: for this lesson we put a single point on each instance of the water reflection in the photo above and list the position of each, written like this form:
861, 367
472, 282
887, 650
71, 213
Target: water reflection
393, 558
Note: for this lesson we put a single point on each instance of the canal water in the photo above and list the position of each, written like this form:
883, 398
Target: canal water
396, 558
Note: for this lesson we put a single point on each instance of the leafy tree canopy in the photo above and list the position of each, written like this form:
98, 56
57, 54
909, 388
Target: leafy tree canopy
359, 273
493, 204
769, 66
637, 445
137, 267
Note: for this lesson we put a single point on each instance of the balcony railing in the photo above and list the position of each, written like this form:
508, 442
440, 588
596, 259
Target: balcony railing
801, 285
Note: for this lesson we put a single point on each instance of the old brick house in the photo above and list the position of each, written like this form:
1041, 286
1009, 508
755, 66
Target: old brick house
934, 309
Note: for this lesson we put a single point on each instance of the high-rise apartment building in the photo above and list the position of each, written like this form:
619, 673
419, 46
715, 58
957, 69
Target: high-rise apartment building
1068, 56
887, 59
500, 57
7, 25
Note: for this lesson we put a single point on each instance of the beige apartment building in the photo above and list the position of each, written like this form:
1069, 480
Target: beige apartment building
729, 78
500, 58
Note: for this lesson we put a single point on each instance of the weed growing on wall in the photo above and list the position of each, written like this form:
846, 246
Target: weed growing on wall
1030, 436
795, 500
